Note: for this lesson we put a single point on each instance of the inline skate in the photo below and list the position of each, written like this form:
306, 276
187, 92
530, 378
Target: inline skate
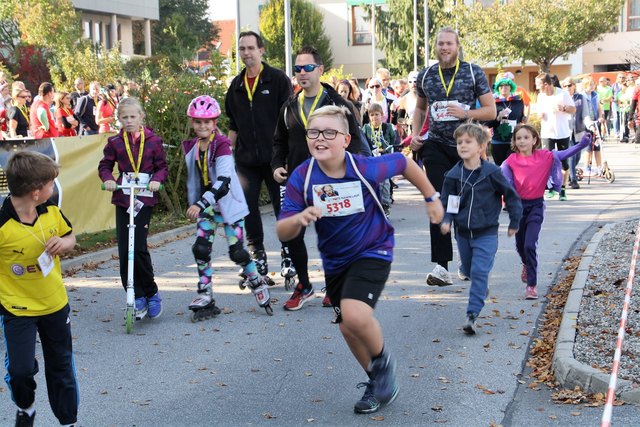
260, 290
287, 270
204, 306
259, 256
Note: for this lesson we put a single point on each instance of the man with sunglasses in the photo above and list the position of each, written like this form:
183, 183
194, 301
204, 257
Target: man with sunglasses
290, 149
252, 104
448, 91
578, 123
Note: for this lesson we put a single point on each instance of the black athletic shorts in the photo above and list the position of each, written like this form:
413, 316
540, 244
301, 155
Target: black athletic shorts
363, 280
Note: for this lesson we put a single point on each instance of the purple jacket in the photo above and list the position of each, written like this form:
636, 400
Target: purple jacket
154, 162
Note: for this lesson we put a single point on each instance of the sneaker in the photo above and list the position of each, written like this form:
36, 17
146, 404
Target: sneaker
383, 372
439, 277
530, 293
387, 211
550, 194
462, 276
155, 306
368, 402
141, 308
563, 196
23, 419
299, 297
326, 302
523, 274
469, 326
574, 185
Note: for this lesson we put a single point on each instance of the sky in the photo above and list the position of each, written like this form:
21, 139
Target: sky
222, 9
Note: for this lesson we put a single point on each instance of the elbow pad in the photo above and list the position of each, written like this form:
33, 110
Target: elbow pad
221, 187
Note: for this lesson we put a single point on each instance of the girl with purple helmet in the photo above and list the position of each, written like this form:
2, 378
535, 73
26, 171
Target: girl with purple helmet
215, 197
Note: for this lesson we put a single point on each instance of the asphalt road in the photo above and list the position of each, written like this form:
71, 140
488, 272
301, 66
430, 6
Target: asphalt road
245, 368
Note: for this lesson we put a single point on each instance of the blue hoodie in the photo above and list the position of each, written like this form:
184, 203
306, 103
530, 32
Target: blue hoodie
480, 200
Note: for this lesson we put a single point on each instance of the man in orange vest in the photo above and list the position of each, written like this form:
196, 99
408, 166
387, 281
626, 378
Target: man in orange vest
42, 123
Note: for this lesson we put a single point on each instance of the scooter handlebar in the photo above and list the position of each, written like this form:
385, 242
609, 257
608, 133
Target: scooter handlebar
132, 186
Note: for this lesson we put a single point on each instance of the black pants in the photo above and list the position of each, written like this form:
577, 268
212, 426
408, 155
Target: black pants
438, 158
300, 258
59, 369
143, 279
500, 152
251, 178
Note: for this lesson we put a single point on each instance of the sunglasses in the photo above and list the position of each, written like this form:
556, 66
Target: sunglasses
307, 68
569, 85
374, 87
24, 97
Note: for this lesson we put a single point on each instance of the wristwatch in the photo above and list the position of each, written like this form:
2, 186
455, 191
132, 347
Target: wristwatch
433, 198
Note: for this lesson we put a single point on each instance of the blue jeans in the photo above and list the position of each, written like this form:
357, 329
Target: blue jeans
477, 256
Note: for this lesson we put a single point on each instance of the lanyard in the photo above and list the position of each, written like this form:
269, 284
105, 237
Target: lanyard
313, 106
24, 114
447, 89
135, 166
252, 90
466, 180
68, 111
205, 169
44, 239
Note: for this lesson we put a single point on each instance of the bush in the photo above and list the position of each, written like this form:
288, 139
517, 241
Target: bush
165, 99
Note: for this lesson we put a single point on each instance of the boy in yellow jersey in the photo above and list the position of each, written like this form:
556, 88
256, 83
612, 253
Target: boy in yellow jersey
33, 232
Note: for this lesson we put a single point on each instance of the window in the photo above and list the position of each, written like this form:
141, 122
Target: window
98, 31
633, 17
360, 26
87, 30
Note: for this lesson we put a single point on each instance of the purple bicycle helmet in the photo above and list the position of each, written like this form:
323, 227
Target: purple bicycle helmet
203, 107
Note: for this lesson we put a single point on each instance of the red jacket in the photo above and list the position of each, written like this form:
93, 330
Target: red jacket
36, 124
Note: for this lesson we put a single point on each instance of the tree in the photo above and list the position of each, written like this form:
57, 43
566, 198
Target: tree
183, 28
394, 31
540, 31
307, 28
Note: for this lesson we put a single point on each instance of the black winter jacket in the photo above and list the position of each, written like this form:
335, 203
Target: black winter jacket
255, 122
289, 141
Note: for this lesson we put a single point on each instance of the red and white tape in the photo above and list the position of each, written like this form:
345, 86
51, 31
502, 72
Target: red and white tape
611, 392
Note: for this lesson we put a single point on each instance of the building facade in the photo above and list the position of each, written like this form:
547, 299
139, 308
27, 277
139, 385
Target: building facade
350, 32
111, 22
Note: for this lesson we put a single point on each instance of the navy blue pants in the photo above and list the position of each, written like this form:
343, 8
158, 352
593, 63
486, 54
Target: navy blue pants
59, 368
527, 237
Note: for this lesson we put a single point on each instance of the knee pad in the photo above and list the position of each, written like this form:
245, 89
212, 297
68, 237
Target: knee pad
201, 250
238, 254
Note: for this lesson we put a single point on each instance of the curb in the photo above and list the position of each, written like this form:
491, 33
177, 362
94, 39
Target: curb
568, 371
104, 255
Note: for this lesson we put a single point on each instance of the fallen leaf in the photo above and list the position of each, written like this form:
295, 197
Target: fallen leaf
377, 418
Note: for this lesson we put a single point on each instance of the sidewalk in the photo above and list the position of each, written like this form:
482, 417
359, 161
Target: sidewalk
246, 368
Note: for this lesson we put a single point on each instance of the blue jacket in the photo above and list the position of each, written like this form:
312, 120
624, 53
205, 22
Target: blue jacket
480, 202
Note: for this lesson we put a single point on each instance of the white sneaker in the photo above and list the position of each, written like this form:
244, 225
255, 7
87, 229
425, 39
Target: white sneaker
439, 277
462, 276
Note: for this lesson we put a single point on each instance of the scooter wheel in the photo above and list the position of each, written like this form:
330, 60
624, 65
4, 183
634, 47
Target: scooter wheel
128, 319
609, 176
194, 317
269, 310
579, 174
242, 285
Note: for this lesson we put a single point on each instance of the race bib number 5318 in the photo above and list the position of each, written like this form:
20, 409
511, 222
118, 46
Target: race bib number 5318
339, 199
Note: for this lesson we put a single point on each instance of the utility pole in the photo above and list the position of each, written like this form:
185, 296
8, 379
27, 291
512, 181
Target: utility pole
373, 38
287, 37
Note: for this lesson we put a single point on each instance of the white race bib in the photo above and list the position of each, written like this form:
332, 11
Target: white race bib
130, 178
439, 112
45, 261
339, 199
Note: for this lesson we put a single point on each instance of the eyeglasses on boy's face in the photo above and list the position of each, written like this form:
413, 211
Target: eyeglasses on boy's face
327, 134
307, 68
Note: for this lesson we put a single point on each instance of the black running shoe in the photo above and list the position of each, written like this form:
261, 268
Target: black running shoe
368, 402
23, 419
469, 326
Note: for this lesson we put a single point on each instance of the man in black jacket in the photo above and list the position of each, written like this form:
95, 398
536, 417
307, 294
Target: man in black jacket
252, 104
290, 149
85, 109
